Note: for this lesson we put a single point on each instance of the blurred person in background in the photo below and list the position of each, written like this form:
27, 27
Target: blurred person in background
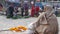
56, 8
15, 11
37, 11
32, 9
10, 11
19, 8
1, 7
22, 10
38, 6
26, 7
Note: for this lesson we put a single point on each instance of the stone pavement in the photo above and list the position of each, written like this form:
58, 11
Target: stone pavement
58, 18
7, 23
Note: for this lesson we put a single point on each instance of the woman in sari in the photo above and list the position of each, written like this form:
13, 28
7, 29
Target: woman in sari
32, 9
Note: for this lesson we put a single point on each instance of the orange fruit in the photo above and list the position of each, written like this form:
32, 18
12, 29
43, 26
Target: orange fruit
24, 28
12, 28
17, 30
20, 27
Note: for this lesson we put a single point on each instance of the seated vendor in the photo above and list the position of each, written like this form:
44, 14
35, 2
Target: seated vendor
46, 23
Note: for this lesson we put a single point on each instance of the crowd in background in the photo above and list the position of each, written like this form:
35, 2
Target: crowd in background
24, 9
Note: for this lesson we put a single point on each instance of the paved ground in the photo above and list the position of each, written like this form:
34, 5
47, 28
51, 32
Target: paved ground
7, 23
59, 23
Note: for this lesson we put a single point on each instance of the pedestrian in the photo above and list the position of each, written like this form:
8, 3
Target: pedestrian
19, 9
38, 3
1, 7
26, 7
38, 6
15, 11
37, 11
10, 11
32, 9
22, 10
56, 12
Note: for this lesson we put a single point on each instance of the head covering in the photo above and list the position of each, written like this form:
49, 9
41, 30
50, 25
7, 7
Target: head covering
48, 7
49, 10
32, 2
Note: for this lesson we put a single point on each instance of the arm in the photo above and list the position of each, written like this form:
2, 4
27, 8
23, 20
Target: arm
30, 29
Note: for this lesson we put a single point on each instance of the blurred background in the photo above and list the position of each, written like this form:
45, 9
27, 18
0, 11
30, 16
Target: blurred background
54, 3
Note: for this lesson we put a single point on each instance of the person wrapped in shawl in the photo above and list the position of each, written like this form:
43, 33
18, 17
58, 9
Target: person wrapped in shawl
46, 23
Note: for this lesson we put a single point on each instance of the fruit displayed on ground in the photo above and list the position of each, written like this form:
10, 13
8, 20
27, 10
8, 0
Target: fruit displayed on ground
18, 28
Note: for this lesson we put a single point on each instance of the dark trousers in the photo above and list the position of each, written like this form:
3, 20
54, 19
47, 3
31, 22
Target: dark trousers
56, 13
22, 13
11, 14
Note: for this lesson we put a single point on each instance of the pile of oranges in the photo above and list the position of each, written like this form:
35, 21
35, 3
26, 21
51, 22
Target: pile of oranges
18, 28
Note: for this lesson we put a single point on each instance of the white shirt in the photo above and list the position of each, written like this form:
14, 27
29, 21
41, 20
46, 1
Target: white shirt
19, 9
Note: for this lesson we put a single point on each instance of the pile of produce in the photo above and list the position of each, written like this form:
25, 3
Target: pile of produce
18, 28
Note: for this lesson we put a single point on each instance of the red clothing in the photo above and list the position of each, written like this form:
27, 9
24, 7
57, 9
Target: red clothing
1, 8
37, 9
32, 11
